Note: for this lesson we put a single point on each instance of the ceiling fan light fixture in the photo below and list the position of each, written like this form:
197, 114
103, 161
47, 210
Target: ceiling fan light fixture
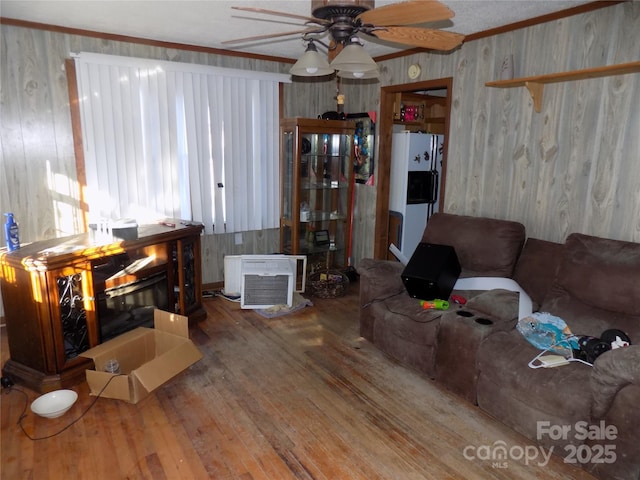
353, 61
375, 73
311, 64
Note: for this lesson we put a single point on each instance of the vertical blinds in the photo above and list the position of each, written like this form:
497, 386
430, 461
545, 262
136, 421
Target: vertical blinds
180, 140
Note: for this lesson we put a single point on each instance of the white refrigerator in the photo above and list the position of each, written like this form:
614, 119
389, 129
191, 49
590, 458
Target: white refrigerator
416, 172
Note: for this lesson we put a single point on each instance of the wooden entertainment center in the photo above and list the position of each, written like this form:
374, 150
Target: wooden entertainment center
58, 294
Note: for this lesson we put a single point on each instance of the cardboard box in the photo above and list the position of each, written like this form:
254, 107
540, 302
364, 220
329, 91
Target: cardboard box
148, 358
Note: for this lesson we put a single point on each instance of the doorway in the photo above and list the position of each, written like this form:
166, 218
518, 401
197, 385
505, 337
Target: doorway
390, 98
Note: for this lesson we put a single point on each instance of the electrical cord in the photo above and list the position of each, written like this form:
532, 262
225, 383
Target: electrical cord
23, 415
229, 298
382, 299
395, 312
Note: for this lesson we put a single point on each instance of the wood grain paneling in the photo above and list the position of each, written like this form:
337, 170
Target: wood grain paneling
38, 174
574, 166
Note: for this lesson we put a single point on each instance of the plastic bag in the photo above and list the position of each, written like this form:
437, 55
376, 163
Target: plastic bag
548, 332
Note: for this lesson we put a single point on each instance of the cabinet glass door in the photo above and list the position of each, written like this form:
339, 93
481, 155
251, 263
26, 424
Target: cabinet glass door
288, 179
324, 188
316, 184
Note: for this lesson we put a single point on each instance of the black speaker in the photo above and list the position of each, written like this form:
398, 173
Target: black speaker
431, 272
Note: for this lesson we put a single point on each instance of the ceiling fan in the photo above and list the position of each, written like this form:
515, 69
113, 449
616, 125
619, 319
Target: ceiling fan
344, 19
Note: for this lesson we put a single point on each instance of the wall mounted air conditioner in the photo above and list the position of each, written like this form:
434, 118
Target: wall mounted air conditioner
262, 281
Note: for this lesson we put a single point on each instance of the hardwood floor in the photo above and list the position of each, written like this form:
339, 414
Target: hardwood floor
296, 397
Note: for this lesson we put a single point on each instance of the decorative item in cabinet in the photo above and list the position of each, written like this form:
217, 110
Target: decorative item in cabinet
317, 162
364, 142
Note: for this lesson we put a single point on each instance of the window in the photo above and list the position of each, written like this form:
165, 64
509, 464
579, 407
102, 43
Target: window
180, 140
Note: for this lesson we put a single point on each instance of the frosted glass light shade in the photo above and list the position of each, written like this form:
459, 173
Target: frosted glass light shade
375, 73
311, 64
354, 60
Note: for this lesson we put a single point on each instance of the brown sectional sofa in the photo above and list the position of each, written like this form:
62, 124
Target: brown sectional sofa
475, 350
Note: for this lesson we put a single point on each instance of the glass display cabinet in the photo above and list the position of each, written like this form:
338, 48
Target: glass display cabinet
316, 164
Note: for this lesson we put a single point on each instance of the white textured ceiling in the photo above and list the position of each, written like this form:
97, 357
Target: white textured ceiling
209, 22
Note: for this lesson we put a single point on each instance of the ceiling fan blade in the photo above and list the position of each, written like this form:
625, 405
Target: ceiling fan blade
282, 14
420, 37
272, 35
407, 13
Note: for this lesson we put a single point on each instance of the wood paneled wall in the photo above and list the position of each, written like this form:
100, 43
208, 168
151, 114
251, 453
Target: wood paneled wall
38, 180
572, 167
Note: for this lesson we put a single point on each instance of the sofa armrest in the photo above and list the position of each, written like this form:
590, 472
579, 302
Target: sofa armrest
612, 371
379, 279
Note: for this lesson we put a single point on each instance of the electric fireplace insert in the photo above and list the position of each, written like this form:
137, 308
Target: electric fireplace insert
131, 290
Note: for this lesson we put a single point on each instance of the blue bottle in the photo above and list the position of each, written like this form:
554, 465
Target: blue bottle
11, 233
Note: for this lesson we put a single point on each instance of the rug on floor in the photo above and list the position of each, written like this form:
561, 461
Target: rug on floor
298, 303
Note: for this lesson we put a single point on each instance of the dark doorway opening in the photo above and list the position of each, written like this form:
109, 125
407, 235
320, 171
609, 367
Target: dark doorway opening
391, 97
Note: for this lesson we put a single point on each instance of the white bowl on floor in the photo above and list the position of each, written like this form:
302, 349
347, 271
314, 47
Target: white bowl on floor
54, 404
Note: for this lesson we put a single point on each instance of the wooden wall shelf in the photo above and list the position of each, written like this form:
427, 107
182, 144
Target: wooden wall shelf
535, 84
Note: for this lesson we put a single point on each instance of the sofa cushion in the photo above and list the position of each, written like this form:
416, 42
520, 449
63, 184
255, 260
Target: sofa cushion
602, 272
406, 332
537, 266
597, 286
498, 304
486, 247
405, 318
521, 396
585, 319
